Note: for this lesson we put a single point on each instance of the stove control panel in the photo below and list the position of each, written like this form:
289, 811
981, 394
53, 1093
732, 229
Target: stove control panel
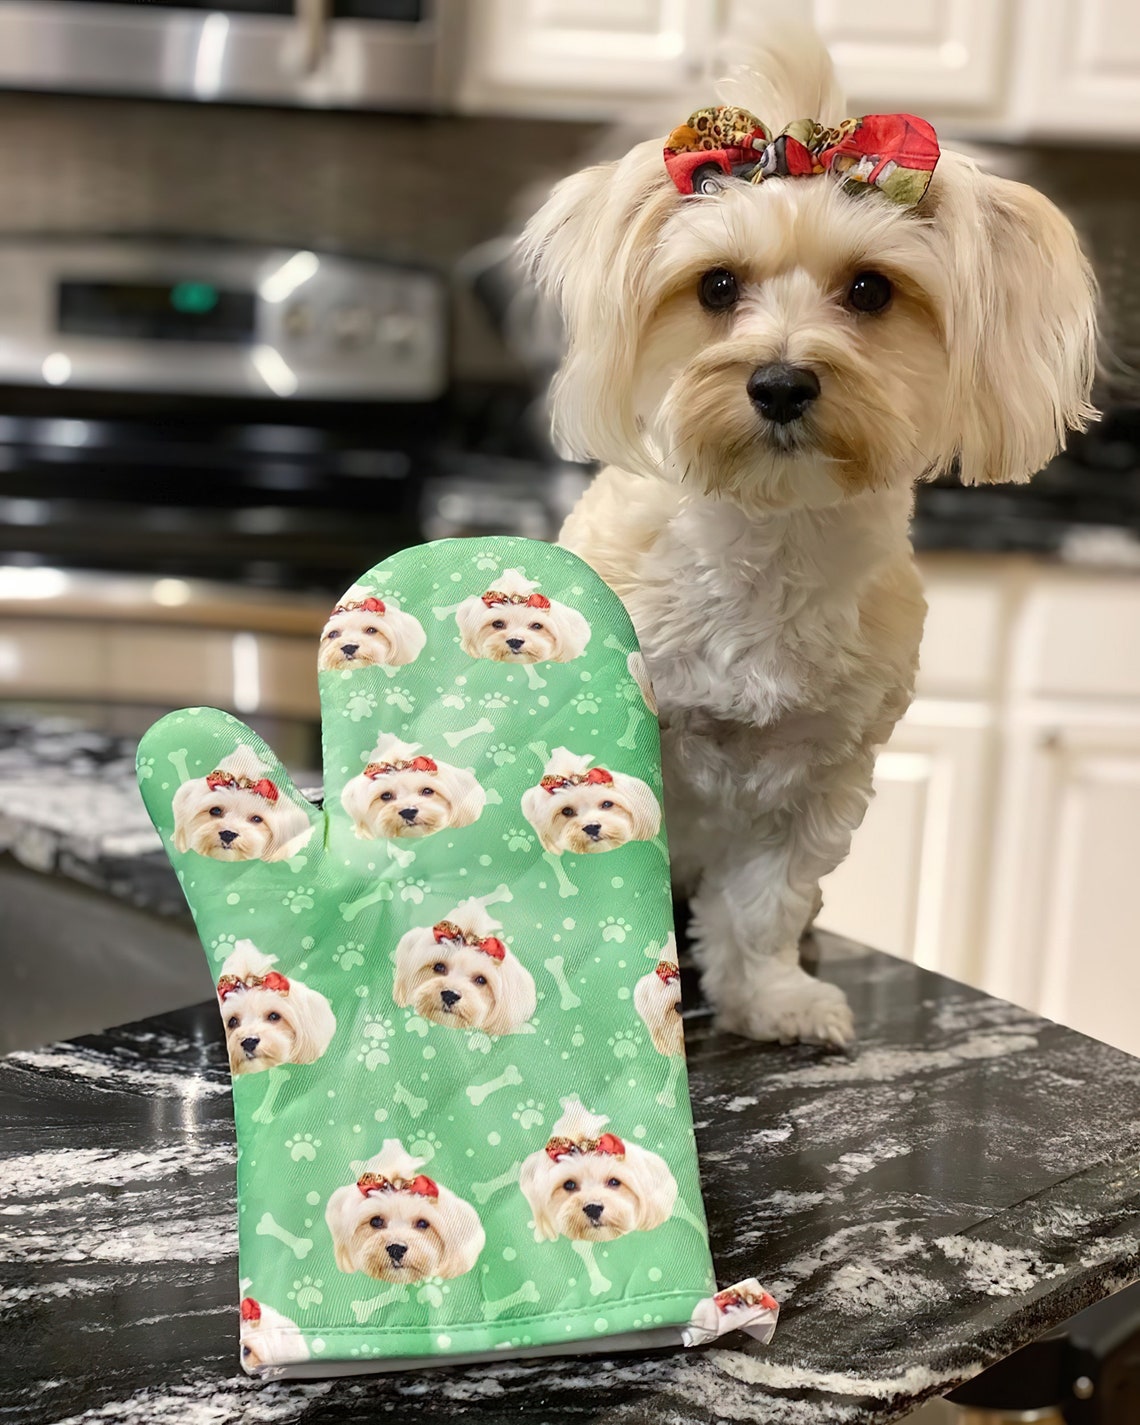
220, 320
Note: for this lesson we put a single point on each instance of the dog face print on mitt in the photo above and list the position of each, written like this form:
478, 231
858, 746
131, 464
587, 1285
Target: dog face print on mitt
584, 809
591, 1186
268, 1337
364, 631
404, 793
396, 1224
513, 623
235, 813
269, 1018
459, 974
657, 999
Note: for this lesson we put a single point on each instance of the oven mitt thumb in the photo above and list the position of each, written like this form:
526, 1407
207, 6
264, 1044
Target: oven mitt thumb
450, 998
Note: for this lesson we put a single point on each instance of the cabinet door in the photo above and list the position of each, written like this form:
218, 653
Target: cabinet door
918, 54
1078, 69
1065, 931
582, 57
915, 879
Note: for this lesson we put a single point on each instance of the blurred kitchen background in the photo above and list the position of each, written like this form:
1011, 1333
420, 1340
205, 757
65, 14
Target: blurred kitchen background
257, 330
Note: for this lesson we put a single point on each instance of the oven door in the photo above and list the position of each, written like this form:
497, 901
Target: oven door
377, 54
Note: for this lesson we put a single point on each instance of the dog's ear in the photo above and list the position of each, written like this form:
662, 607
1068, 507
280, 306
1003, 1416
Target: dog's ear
1021, 324
515, 997
536, 808
587, 248
571, 632
340, 1228
643, 806
467, 797
354, 799
463, 1237
406, 637
182, 809
535, 1183
407, 960
654, 1184
468, 618
314, 1023
291, 830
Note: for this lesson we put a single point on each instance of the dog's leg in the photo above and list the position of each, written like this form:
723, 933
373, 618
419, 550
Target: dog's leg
748, 916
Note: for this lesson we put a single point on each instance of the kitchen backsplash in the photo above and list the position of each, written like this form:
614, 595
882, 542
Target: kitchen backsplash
423, 188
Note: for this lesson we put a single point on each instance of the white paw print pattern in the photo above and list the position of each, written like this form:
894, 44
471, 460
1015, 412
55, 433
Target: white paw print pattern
502, 755
412, 889
222, 947
374, 1051
489, 702
358, 706
625, 1044
303, 1147
518, 839
349, 955
614, 928
401, 698
300, 899
586, 704
426, 1146
307, 1293
530, 1114
145, 768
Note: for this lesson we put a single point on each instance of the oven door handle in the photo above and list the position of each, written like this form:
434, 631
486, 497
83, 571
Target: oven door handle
313, 33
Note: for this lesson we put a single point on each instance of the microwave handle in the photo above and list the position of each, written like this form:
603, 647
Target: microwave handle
313, 33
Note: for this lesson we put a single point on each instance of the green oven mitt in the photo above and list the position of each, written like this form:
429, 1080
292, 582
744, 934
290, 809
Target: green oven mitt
450, 998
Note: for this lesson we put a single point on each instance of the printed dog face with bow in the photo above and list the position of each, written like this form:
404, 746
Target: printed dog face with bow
459, 974
269, 1018
396, 1224
513, 623
405, 793
592, 1186
235, 813
657, 999
364, 631
789, 321
268, 1338
584, 809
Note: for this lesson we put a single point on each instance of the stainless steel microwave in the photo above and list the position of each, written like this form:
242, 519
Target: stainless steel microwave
365, 54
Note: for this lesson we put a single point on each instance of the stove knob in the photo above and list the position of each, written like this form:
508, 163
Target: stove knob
353, 327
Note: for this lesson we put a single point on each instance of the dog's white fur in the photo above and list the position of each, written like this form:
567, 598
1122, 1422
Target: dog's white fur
768, 569
265, 1028
272, 1341
234, 823
473, 990
635, 1192
590, 817
449, 796
358, 638
441, 1237
658, 1002
514, 633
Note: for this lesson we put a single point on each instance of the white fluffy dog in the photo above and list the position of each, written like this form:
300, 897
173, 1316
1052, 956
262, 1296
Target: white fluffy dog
458, 973
364, 630
591, 1186
268, 1338
512, 623
398, 1225
235, 813
657, 999
767, 368
584, 809
404, 793
269, 1019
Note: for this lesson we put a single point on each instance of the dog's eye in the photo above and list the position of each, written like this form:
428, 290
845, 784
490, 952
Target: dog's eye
536, 626
427, 791
606, 806
247, 1351
568, 811
376, 1222
257, 820
718, 290
869, 292
333, 633
499, 623
273, 1017
613, 1182
422, 1224
479, 980
387, 796
570, 1185
216, 811
232, 1022
439, 968
370, 629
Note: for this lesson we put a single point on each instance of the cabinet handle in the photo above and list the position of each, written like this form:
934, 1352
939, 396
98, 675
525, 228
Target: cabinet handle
313, 29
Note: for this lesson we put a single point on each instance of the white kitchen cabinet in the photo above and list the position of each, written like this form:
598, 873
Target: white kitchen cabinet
582, 58
1077, 69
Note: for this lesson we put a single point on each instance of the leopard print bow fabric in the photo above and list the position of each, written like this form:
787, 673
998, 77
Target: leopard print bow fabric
894, 153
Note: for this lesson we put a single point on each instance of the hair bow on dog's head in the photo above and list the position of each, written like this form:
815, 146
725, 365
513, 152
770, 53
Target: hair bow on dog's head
895, 153
232, 984
489, 944
399, 764
667, 972
421, 1185
370, 605
532, 601
608, 1143
250, 1310
262, 786
596, 776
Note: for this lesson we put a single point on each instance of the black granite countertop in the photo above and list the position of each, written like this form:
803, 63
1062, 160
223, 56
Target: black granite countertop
965, 1179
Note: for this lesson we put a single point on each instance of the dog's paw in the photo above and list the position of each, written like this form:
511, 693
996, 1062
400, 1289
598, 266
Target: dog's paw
794, 1010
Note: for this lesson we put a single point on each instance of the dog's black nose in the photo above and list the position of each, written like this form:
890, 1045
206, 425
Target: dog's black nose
782, 393
594, 829
409, 813
515, 643
450, 997
348, 649
397, 1251
249, 1045
593, 1210
225, 837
